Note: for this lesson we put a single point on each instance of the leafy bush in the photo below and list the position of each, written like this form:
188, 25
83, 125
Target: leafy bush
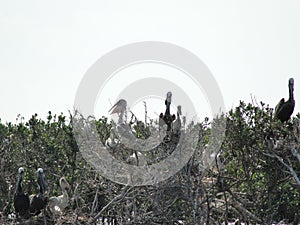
254, 178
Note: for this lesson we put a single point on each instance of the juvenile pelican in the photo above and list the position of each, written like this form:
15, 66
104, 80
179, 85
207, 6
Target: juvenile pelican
58, 203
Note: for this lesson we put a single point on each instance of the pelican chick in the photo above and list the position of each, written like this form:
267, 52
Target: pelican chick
58, 203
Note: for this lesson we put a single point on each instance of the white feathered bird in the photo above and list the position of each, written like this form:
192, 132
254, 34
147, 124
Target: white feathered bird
58, 203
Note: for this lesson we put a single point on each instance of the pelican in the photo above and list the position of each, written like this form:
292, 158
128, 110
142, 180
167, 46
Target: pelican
161, 121
177, 123
122, 128
167, 117
284, 110
21, 200
58, 203
168, 102
120, 109
38, 202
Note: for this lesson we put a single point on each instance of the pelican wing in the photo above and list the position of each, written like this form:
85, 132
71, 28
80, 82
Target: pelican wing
278, 107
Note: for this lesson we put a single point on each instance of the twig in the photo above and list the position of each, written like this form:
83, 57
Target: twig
239, 207
292, 171
115, 199
145, 104
295, 153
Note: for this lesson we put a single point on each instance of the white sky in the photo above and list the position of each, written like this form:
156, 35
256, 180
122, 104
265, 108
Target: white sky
251, 47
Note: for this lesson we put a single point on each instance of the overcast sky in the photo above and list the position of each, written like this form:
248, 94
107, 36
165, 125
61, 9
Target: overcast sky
251, 47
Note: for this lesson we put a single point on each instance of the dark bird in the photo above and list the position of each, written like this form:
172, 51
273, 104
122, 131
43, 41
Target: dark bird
284, 110
168, 103
38, 202
21, 200
167, 117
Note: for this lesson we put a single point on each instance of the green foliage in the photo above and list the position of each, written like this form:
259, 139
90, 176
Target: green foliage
248, 172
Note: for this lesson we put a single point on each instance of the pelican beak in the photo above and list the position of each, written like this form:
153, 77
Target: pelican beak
115, 109
118, 107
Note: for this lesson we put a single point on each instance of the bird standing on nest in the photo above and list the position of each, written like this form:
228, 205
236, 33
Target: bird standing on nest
58, 203
39, 201
21, 200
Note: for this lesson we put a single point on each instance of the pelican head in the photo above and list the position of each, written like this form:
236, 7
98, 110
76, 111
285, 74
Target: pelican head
291, 81
21, 170
119, 107
41, 180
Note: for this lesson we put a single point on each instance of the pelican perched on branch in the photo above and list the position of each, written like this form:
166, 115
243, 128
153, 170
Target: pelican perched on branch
38, 202
58, 203
167, 117
284, 110
21, 200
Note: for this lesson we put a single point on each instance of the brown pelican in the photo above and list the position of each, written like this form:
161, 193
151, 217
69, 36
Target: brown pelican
58, 203
167, 117
284, 110
168, 103
176, 127
38, 202
21, 200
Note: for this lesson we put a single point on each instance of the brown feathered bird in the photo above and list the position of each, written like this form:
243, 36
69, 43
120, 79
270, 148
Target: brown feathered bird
285, 109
